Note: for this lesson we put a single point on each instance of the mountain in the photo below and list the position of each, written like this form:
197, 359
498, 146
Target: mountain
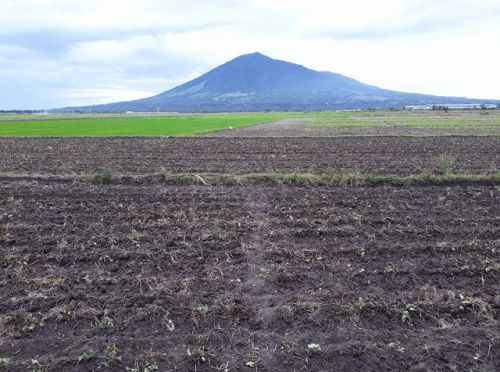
255, 82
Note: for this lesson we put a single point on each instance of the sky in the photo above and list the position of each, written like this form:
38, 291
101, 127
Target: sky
56, 53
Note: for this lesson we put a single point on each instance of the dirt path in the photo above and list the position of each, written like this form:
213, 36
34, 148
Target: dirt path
256, 287
281, 128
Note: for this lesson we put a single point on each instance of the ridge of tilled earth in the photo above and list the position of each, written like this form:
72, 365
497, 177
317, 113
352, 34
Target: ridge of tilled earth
348, 179
241, 278
378, 155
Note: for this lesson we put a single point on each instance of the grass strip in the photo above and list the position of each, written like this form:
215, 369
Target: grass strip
332, 179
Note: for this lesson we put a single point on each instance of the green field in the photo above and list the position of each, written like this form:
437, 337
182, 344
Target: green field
103, 125
81, 126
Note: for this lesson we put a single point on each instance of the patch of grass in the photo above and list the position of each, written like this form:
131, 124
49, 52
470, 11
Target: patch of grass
110, 125
111, 355
163, 173
104, 176
332, 179
288, 178
85, 355
36, 366
4, 362
32, 322
105, 321
442, 164
188, 125
202, 310
427, 178
361, 304
151, 367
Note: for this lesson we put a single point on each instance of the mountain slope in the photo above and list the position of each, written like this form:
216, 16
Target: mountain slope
254, 82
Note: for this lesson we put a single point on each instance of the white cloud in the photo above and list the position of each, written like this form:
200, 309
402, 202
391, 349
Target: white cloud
58, 52
95, 96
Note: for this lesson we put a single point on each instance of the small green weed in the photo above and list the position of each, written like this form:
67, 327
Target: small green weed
36, 366
104, 176
4, 362
86, 355
111, 355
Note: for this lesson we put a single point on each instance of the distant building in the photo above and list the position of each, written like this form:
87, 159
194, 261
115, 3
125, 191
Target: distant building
452, 106
418, 107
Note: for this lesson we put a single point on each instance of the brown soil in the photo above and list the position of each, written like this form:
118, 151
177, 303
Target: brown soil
378, 155
247, 278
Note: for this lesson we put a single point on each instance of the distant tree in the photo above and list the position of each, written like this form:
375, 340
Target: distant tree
440, 108
483, 107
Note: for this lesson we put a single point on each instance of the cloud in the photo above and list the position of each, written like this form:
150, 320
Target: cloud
418, 18
57, 52
53, 42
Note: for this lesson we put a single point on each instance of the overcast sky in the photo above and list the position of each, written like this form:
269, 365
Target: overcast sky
56, 53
